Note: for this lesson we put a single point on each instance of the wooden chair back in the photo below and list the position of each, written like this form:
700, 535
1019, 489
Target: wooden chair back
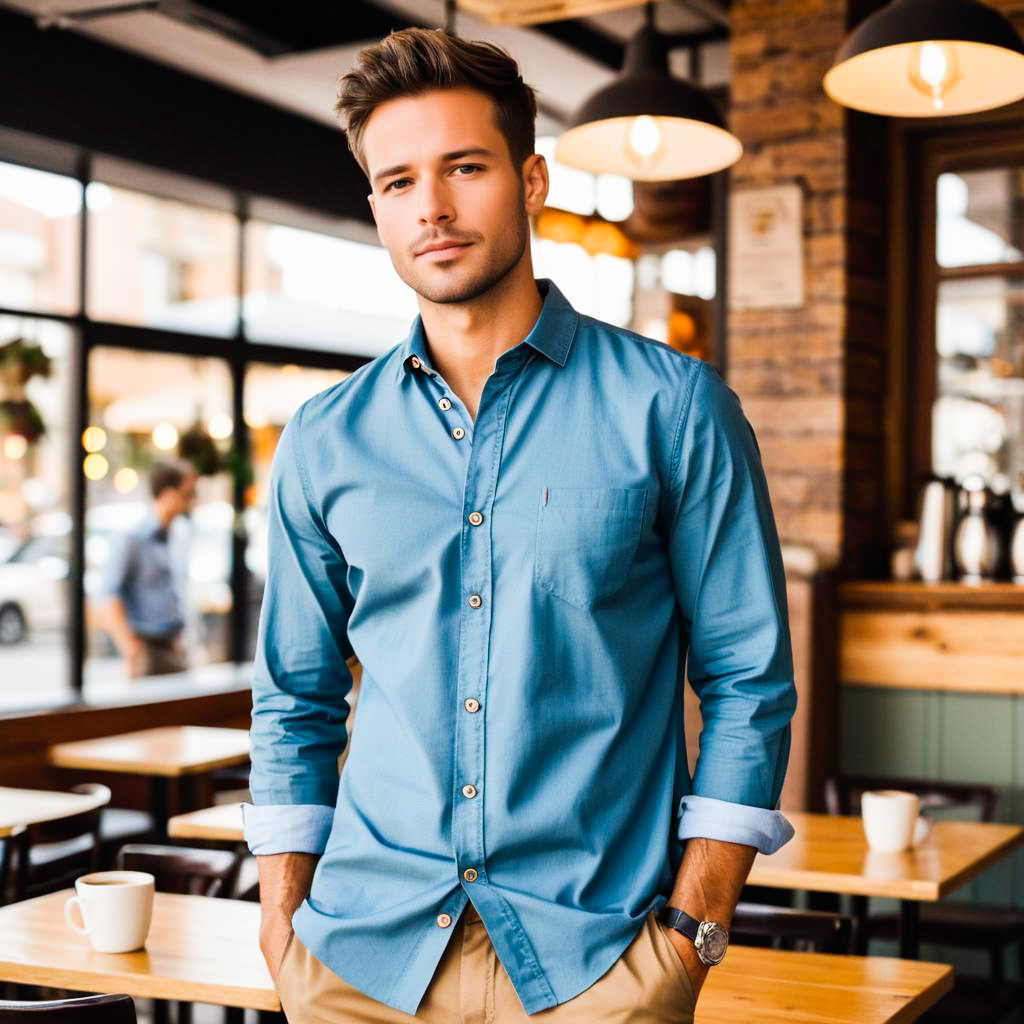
52, 854
843, 794
182, 869
761, 924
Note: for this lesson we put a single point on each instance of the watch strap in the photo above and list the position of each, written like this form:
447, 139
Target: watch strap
680, 920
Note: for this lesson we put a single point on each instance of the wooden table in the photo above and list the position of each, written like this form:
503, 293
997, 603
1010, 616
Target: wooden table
830, 854
21, 807
199, 949
172, 754
221, 823
769, 986
205, 950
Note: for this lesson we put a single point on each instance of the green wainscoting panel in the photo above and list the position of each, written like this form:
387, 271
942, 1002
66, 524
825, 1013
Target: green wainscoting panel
884, 731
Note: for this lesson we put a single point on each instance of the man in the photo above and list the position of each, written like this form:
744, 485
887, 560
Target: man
519, 520
143, 607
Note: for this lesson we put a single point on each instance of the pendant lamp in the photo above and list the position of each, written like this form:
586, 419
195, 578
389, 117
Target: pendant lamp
648, 125
929, 58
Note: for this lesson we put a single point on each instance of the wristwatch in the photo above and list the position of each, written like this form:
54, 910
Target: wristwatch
709, 938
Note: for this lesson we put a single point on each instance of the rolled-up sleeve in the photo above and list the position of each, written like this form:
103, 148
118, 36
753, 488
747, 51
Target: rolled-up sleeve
730, 585
300, 679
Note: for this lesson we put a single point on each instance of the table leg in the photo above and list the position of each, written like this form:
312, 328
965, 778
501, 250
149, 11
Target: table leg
859, 911
158, 787
910, 917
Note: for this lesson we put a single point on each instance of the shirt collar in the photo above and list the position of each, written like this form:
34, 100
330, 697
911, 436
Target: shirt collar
551, 335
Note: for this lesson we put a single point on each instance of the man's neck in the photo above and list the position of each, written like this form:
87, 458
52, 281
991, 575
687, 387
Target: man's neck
465, 340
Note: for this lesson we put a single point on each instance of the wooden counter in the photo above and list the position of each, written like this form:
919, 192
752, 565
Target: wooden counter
933, 636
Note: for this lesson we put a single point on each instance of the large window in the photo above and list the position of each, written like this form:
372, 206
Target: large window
141, 407
173, 357
977, 420
35, 505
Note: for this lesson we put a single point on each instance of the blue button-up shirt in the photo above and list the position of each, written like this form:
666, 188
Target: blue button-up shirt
144, 569
522, 592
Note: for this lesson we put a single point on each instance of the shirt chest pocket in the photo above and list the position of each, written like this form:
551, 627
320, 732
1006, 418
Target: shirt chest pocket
586, 540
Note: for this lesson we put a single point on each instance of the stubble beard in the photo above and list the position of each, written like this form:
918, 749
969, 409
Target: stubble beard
505, 254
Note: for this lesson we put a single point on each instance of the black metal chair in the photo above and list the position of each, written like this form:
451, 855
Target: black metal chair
819, 931
85, 1010
50, 855
990, 928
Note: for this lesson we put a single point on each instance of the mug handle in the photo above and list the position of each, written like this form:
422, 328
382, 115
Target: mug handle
922, 828
83, 928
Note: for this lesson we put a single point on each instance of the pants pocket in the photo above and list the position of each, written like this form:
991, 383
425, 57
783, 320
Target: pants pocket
670, 958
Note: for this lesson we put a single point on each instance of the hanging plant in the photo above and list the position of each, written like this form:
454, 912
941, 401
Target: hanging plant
196, 446
20, 360
20, 416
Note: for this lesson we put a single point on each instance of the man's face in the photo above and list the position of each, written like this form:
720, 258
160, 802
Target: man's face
441, 173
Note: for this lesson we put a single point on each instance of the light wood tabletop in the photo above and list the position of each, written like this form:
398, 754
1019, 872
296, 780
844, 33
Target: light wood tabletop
205, 950
770, 986
830, 854
223, 822
199, 949
21, 807
170, 751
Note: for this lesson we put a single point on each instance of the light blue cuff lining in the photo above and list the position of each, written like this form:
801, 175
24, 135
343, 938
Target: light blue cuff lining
286, 828
702, 817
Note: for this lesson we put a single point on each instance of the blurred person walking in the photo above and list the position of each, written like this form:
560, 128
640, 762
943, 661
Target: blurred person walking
142, 598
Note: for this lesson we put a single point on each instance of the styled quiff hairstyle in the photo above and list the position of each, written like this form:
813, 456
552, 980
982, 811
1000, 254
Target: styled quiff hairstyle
418, 60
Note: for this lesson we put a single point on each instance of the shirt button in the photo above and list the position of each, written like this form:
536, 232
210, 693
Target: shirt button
415, 363
475, 601
472, 704
445, 404
469, 791
475, 518
470, 875
458, 433
443, 920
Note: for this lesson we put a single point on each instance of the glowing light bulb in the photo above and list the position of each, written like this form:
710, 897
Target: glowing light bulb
934, 70
644, 137
165, 436
95, 466
15, 446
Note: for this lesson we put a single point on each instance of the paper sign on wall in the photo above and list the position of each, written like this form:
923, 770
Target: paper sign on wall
766, 265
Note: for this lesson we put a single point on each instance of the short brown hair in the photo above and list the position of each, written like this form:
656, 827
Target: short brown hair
417, 60
167, 474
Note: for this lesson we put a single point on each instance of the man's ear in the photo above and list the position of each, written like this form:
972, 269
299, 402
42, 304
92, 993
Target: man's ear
535, 182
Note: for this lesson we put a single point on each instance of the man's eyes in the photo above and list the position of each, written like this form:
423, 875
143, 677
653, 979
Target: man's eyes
461, 167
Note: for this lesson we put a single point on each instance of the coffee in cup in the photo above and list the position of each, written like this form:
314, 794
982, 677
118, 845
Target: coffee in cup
116, 908
892, 821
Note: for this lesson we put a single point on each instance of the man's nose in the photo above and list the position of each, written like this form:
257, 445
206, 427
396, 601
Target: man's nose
435, 203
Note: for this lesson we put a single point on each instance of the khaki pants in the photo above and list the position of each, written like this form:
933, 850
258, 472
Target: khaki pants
648, 984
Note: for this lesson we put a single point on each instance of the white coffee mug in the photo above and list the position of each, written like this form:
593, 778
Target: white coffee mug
116, 909
892, 821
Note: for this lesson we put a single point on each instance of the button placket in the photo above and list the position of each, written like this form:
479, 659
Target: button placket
475, 623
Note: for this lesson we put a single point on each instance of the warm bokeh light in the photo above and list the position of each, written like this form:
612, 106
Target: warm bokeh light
15, 446
93, 439
95, 466
165, 436
221, 426
126, 480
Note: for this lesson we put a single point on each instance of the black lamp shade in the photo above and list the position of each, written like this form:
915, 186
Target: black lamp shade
929, 58
683, 133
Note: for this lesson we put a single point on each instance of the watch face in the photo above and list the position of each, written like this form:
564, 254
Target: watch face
713, 942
